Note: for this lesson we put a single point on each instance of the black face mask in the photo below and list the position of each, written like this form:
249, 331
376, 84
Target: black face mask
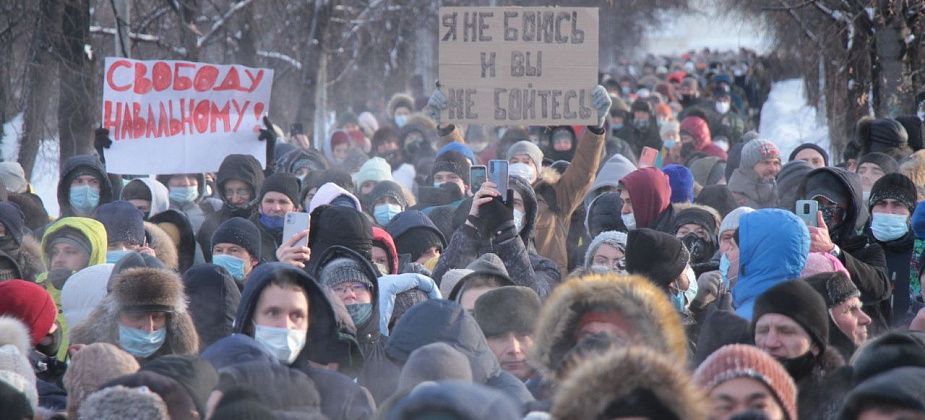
799, 367
9, 246
687, 149
829, 214
687, 100
701, 250
49, 345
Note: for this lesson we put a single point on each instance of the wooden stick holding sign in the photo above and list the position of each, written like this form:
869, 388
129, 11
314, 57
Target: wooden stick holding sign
518, 65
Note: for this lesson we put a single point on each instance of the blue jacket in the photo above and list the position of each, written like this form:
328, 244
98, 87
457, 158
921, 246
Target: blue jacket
773, 246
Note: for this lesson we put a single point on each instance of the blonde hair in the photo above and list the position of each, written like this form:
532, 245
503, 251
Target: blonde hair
914, 169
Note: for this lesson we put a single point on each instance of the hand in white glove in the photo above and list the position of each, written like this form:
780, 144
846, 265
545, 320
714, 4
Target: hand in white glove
436, 104
602, 102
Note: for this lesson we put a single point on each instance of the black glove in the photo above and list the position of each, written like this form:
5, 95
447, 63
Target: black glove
497, 215
268, 134
102, 140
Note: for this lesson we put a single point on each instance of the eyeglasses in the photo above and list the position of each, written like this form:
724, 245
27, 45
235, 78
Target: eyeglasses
354, 288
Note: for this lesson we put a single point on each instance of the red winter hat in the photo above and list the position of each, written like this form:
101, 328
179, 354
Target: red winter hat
740, 360
29, 303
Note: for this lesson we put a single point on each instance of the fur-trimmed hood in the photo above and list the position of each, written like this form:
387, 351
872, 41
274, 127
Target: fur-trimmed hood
30, 264
635, 297
139, 286
163, 246
603, 380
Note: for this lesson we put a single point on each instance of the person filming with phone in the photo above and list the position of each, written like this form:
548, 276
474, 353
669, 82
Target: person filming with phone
841, 213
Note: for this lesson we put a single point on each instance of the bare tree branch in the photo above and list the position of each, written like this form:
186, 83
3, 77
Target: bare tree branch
221, 21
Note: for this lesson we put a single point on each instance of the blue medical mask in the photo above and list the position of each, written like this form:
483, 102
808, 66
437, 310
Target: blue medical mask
889, 227
84, 199
401, 120
140, 343
284, 343
272, 222
184, 195
438, 184
677, 300
234, 265
360, 312
669, 143
114, 256
724, 265
383, 213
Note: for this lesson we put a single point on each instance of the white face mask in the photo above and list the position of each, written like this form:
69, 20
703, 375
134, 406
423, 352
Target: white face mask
284, 343
629, 220
522, 170
691, 291
518, 220
723, 107
921, 115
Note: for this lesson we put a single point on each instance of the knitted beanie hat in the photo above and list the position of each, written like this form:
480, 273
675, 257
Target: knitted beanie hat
744, 361
343, 270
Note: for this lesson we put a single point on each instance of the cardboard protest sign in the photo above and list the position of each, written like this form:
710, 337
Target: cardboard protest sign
167, 116
518, 65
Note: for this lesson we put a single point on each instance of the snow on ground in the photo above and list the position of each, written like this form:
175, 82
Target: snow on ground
44, 177
788, 121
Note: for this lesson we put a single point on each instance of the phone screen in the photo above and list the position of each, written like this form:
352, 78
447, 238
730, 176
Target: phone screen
478, 174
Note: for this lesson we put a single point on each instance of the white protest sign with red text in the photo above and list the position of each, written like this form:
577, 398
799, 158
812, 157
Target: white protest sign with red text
167, 116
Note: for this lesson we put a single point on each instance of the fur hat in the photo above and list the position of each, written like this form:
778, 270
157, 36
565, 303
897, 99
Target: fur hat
241, 232
654, 321
798, 301
507, 309
90, 368
149, 289
632, 381
744, 361
120, 402
656, 255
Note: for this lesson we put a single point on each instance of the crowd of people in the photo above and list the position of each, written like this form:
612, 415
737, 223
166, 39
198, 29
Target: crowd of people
602, 283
